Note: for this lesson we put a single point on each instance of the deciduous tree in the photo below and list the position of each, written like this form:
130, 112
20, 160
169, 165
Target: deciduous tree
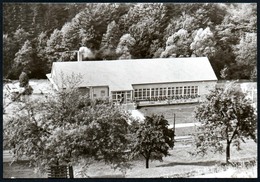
54, 49
110, 41
226, 115
8, 55
70, 36
149, 22
177, 44
203, 43
125, 46
248, 21
246, 53
41, 43
67, 128
24, 57
152, 139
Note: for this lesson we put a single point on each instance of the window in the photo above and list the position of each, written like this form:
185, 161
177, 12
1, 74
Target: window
161, 91
94, 95
188, 90
164, 91
136, 93
140, 94
113, 97
148, 93
196, 90
156, 92
103, 93
178, 91
122, 96
152, 92
192, 90
116, 96
185, 90
128, 96
173, 91
169, 91
144, 93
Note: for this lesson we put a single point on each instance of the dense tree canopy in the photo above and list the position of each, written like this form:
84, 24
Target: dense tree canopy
216, 30
245, 52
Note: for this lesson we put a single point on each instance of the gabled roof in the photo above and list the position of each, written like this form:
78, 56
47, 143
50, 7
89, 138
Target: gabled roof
122, 74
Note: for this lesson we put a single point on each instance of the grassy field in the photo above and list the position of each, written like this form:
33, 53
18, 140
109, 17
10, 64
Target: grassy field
183, 114
20, 169
179, 164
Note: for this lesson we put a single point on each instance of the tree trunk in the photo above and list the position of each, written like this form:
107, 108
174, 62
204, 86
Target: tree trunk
227, 152
147, 162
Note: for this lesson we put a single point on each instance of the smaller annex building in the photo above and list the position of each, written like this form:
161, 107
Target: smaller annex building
144, 81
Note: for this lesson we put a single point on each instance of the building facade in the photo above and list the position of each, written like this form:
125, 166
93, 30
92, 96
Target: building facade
143, 81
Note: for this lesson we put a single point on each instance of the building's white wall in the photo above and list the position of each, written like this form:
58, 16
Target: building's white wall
205, 87
250, 89
96, 92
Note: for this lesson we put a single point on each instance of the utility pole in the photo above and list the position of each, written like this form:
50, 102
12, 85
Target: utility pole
174, 124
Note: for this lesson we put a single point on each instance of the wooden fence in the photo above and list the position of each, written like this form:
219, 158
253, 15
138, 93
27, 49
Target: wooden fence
62, 171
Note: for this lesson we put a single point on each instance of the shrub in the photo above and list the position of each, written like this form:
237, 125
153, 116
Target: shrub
23, 79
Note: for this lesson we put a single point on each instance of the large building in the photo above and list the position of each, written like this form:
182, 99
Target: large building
145, 81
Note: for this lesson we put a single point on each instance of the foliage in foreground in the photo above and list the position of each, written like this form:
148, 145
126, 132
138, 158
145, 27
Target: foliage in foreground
65, 129
152, 138
68, 128
226, 116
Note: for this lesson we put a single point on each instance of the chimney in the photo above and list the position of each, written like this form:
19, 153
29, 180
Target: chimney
80, 55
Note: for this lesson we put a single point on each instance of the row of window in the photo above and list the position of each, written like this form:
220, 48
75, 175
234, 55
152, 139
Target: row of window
154, 93
168, 92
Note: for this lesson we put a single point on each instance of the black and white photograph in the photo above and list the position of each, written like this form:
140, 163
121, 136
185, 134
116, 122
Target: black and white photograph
129, 90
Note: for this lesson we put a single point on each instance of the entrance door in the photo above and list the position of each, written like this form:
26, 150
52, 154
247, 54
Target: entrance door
121, 97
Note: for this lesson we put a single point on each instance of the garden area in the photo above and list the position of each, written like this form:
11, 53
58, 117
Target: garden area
180, 163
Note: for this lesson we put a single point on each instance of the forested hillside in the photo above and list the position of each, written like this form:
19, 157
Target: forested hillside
35, 35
